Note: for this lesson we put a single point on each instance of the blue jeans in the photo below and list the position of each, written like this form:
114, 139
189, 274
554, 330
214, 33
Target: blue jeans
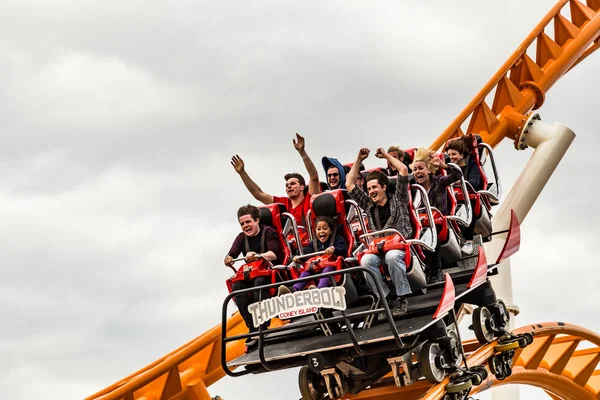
395, 262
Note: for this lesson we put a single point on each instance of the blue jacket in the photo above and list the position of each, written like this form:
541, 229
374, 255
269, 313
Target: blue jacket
327, 163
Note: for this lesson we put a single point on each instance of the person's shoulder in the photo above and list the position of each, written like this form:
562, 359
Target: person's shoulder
268, 229
283, 200
239, 236
339, 236
307, 197
356, 189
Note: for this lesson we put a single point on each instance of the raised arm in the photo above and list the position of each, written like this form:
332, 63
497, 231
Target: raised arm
314, 186
402, 179
394, 162
253, 188
355, 170
454, 173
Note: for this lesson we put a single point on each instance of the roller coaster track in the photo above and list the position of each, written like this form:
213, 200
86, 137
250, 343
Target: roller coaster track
554, 362
520, 85
563, 360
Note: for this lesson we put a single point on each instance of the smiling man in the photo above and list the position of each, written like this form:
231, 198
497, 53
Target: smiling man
384, 213
297, 201
336, 176
254, 242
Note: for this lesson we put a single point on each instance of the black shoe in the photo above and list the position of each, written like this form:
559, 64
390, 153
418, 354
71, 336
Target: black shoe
391, 302
400, 306
436, 276
251, 342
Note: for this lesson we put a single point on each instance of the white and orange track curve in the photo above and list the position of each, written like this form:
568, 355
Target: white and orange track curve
563, 359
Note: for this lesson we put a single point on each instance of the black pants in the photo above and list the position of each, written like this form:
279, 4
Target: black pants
244, 300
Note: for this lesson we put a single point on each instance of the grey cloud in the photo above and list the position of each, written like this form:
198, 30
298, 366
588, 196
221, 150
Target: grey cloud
119, 118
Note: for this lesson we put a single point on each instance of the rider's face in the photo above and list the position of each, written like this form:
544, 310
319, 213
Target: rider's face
376, 191
333, 177
249, 226
420, 172
323, 231
293, 188
455, 156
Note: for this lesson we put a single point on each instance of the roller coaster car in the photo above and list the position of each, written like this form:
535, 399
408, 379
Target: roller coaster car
423, 343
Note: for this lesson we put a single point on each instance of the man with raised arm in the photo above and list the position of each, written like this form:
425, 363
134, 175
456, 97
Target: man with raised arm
298, 198
385, 212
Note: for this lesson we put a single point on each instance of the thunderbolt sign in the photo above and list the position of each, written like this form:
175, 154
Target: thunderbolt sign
297, 304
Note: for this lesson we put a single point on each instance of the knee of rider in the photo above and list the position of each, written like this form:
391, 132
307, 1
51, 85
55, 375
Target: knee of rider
394, 255
369, 261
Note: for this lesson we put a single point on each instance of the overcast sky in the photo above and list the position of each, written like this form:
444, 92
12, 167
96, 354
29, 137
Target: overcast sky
118, 120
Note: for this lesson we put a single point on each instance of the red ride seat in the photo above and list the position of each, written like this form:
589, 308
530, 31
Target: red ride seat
330, 204
270, 215
413, 253
480, 203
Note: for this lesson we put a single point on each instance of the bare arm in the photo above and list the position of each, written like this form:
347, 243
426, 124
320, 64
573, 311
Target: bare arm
253, 188
314, 186
355, 170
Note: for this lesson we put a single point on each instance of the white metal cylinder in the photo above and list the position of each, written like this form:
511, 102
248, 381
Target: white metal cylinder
550, 143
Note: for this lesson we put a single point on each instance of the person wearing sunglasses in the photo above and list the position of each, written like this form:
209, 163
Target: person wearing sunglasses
334, 170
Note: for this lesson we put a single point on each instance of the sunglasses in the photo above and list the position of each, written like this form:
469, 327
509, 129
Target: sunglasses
332, 175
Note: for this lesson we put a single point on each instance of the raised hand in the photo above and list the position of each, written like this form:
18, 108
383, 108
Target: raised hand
298, 143
436, 161
237, 163
381, 153
363, 154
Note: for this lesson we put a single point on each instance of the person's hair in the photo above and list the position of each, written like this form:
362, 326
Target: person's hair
249, 209
297, 176
425, 156
458, 145
463, 144
382, 178
397, 150
326, 219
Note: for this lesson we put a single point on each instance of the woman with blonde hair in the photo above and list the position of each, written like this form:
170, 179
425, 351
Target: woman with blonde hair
426, 164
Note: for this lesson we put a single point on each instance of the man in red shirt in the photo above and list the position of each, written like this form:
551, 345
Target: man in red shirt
298, 198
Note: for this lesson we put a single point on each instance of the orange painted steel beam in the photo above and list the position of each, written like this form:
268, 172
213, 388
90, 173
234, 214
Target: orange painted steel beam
552, 362
521, 83
189, 369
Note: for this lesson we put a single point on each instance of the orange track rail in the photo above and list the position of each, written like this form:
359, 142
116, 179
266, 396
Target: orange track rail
521, 83
563, 360
182, 374
516, 89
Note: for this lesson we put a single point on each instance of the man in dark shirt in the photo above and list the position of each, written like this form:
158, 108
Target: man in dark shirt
385, 213
254, 242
